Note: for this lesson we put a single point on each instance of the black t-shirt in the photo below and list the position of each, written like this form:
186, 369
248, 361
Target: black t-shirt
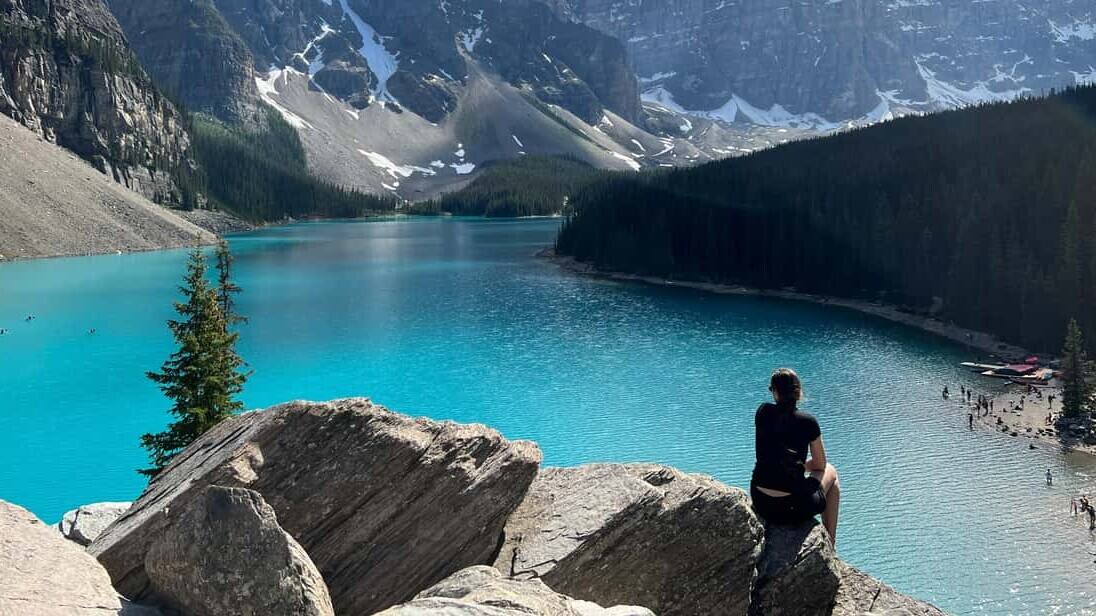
784, 434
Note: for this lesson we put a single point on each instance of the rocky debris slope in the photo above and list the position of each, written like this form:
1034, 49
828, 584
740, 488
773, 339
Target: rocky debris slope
484, 591
385, 505
43, 574
226, 555
87, 522
67, 73
54, 204
821, 63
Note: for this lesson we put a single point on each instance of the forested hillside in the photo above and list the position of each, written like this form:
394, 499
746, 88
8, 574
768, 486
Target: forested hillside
991, 209
528, 186
262, 175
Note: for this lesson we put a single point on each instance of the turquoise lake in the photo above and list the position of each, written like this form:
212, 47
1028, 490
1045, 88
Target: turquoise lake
457, 319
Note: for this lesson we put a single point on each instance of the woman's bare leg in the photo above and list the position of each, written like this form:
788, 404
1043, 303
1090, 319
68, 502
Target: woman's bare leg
831, 485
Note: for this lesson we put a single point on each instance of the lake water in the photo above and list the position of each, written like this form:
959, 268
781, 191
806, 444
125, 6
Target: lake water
456, 319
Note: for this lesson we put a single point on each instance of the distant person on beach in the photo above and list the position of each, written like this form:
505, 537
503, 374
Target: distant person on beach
946, 393
970, 420
787, 487
1050, 478
1073, 507
1091, 518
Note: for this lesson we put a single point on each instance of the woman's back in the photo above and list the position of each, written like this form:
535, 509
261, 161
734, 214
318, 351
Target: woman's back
783, 438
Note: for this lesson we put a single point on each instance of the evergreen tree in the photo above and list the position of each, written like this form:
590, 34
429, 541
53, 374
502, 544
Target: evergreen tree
1076, 372
227, 289
203, 376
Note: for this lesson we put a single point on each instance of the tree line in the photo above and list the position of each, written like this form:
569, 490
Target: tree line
982, 216
526, 186
261, 174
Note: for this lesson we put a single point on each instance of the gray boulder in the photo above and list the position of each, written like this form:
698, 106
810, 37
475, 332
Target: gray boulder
85, 523
798, 573
43, 574
484, 591
226, 555
862, 595
385, 505
637, 534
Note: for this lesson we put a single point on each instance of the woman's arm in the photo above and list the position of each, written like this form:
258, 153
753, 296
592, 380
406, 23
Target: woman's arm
817, 462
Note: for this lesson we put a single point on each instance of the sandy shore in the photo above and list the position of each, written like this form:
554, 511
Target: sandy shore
1027, 421
975, 340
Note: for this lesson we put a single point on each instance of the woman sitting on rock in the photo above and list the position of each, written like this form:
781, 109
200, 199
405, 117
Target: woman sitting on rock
787, 488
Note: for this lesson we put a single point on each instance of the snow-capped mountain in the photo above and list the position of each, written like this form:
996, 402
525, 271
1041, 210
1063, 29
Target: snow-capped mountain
824, 63
411, 96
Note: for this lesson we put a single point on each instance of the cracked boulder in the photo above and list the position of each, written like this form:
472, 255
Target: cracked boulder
484, 591
384, 504
227, 555
85, 523
637, 534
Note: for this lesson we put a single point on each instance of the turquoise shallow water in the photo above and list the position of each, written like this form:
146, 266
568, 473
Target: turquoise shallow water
456, 319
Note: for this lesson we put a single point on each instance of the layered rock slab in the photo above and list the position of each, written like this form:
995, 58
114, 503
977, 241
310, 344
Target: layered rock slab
863, 595
798, 573
385, 505
227, 555
83, 524
484, 591
44, 574
637, 534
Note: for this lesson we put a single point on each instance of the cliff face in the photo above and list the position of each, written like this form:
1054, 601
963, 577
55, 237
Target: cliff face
193, 54
825, 61
66, 73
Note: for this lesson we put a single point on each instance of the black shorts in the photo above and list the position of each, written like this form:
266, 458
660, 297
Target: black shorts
806, 501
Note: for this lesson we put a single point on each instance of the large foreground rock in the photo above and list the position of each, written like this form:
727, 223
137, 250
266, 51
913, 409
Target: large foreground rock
484, 591
863, 595
798, 573
87, 522
637, 534
385, 505
227, 556
43, 574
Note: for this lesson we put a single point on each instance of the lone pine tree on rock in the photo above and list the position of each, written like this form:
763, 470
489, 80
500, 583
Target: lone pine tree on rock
203, 376
1076, 374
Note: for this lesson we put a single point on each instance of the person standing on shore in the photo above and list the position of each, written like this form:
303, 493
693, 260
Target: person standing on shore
946, 393
970, 420
1073, 507
1050, 478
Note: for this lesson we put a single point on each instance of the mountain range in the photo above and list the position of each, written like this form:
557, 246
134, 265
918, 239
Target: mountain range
416, 97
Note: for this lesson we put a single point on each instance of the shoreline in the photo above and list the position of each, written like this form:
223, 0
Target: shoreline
975, 340
1028, 423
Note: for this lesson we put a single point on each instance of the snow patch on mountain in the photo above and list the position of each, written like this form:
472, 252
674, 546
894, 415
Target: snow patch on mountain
382, 62
268, 90
951, 95
395, 170
775, 116
1084, 30
312, 54
1084, 79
